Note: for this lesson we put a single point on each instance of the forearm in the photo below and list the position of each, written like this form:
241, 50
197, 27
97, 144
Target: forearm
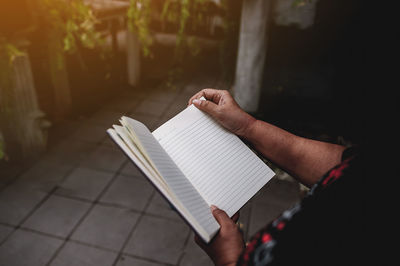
305, 159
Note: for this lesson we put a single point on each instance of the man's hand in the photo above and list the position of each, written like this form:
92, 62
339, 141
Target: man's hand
228, 244
222, 107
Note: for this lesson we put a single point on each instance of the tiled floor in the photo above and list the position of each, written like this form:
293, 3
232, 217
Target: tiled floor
83, 203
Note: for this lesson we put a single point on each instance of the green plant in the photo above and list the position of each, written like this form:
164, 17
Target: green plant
9, 50
67, 26
187, 16
229, 44
71, 22
138, 15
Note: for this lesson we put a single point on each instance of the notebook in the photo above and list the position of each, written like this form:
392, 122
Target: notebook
194, 163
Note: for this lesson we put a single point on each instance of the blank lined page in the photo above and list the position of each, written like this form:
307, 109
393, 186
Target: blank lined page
173, 176
219, 165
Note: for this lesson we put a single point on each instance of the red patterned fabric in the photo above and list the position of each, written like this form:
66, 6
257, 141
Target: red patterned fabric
319, 230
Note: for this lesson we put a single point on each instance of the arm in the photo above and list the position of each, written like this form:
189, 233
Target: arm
305, 159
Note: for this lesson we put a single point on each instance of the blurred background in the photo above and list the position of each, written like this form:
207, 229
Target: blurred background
69, 69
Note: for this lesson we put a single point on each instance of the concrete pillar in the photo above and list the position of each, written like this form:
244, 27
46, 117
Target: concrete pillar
251, 54
133, 58
22, 122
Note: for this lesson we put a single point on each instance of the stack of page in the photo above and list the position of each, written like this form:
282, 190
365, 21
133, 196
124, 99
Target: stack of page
194, 163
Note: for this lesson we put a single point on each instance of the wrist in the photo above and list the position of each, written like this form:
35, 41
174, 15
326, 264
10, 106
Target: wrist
248, 129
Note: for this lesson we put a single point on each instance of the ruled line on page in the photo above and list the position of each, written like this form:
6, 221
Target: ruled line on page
175, 179
221, 167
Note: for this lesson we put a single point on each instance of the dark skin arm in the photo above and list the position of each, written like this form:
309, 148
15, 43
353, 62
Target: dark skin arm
305, 159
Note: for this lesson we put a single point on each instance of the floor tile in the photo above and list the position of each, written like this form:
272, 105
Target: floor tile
106, 227
28, 248
274, 198
16, 202
70, 151
129, 261
244, 220
90, 133
105, 118
157, 125
223, 84
197, 83
110, 143
150, 107
192, 89
9, 171
81, 255
122, 104
194, 255
129, 169
131, 193
84, 183
180, 103
105, 158
62, 129
160, 207
138, 93
277, 191
170, 113
57, 216
45, 175
151, 122
5, 231
158, 239
262, 215
163, 95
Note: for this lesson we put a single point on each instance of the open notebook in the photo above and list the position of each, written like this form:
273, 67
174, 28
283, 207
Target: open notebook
194, 163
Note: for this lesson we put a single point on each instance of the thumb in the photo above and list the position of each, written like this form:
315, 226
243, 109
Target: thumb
206, 106
221, 216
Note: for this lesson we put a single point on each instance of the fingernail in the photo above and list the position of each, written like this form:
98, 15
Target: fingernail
196, 101
213, 207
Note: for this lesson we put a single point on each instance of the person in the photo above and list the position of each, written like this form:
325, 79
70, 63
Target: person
328, 227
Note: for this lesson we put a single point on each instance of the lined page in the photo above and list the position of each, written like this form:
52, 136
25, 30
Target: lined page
220, 166
121, 141
142, 161
176, 180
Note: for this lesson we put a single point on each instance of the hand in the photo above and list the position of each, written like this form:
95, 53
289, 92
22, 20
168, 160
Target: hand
222, 107
228, 244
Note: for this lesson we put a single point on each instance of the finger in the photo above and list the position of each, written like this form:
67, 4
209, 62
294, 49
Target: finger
210, 94
221, 217
235, 217
213, 95
207, 106
196, 96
